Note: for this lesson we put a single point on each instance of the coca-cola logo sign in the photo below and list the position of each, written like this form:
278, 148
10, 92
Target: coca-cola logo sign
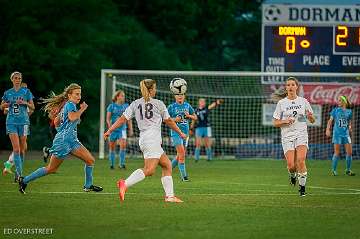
326, 93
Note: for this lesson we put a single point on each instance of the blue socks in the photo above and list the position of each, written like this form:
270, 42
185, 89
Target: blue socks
111, 158
174, 163
18, 164
208, 153
197, 154
88, 175
122, 157
182, 170
348, 162
35, 175
335, 160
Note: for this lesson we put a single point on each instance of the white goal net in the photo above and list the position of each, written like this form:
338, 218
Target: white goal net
242, 125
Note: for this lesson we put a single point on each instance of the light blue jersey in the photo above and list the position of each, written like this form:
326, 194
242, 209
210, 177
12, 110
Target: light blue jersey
68, 128
66, 140
18, 114
116, 111
175, 110
342, 119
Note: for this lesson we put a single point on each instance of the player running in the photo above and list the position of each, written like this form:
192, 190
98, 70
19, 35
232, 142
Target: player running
290, 115
181, 112
149, 114
114, 111
202, 127
66, 141
19, 101
341, 116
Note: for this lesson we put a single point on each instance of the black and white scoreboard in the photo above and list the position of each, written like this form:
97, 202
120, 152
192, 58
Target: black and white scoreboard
311, 38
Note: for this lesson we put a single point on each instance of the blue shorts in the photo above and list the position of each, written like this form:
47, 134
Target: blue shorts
177, 140
203, 132
115, 135
341, 140
63, 146
21, 130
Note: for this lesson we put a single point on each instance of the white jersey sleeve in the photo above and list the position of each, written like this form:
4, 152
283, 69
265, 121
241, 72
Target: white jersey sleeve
277, 112
308, 106
163, 111
130, 111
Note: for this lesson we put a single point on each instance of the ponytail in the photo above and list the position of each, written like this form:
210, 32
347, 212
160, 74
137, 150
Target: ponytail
54, 103
145, 86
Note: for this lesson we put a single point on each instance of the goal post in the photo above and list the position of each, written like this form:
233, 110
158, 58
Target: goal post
242, 125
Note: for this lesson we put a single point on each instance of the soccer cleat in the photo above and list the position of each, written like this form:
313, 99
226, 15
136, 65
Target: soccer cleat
7, 168
122, 167
111, 167
93, 188
293, 181
22, 185
45, 153
334, 173
173, 199
302, 191
185, 179
122, 189
350, 173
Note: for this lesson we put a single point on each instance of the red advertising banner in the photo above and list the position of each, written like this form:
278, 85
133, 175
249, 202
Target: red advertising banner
329, 94
324, 93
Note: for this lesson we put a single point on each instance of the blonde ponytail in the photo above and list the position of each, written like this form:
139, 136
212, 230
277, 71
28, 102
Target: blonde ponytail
54, 103
145, 86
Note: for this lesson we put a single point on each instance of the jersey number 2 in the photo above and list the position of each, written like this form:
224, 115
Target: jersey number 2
148, 111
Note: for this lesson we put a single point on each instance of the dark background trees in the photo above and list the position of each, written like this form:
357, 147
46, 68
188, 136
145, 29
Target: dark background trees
54, 43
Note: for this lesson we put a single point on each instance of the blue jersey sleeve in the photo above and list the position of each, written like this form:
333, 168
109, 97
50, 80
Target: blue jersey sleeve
333, 113
170, 110
191, 110
29, 96
69, 107
109, 108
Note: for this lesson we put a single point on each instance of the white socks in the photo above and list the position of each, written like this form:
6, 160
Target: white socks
167, 182
302, 178
137, 176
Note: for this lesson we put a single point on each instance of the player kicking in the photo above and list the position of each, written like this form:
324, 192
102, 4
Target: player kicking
18, 100
203, 128
149, 114
114, 111
290, 115
66, 141
341, 116
181, 112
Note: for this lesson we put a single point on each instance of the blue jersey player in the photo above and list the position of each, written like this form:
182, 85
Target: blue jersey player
115, 111
341, 116
18, 100
181, 112
65, 142
203, 128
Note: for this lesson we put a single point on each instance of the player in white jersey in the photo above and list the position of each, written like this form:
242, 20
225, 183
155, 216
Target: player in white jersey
290, 115
149, 114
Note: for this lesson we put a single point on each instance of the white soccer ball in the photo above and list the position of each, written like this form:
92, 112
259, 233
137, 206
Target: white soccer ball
178, 86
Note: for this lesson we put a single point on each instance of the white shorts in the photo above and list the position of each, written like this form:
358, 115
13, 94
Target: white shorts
152, 150
293, 144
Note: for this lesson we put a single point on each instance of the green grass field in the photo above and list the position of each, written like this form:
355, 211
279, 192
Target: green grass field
225, 199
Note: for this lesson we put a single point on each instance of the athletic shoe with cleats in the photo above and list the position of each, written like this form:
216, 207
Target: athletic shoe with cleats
93, 188
7, 168
111, 167
173, 199
334, 173
293, 181
122, 189
22, 185
350, 173
45, 153
185, 179
122, 167
302, 191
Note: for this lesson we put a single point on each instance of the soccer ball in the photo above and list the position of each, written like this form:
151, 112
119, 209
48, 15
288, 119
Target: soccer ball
178, 86
272, 13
